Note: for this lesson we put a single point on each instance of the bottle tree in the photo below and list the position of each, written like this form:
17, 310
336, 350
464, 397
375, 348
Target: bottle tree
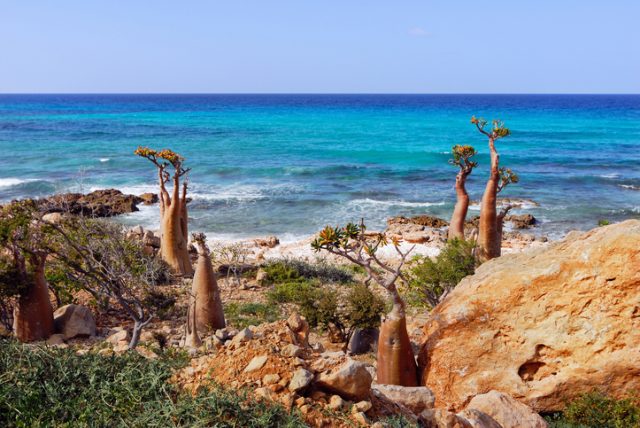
173, 208
462, 159
23, 238
208, 312
489, 242
396, 363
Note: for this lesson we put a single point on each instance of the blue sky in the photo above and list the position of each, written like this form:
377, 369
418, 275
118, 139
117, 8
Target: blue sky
353, 46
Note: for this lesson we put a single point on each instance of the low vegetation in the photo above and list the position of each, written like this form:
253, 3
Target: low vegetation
596, 410
42, 387
430, 280
241, 315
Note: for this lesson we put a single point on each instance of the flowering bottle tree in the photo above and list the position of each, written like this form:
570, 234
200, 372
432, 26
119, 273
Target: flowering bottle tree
396, 363
22, 270
462, 159
173, 208
489, 240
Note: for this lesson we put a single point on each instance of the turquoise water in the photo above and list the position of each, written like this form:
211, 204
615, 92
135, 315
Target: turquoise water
289, 164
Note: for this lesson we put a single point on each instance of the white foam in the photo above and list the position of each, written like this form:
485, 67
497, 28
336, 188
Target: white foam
12, 181
612, 175
374, 202
104, 160
629, 186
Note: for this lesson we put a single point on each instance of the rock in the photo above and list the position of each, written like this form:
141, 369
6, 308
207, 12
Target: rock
121, 347
74, 321
148, 198
524, 221
147, 353
361, 419
222, 334
414, 398
362, 406
119, 336
55, 339
256, 363
268, 242
477, 419
100, 203
363, 340
542, 326
429, 221
261, 276
299, 330
351, 380
300, 381
336, 402
506, 411
243, 335
291, 350
441, 418
55, 218
271, 379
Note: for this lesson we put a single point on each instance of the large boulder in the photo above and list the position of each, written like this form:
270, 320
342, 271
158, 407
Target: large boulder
74, 321
508, 412
542, 326
351, 380
415, 398
99, 203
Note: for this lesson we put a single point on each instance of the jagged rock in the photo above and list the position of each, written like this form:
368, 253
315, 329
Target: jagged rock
477, 419
74, 321
429, 221
414, 398
149, 198
243, 335
271, 379
542, 326
300, 381
506, 411
261, 276
299, 330
351, 380
268, 242
55, 218
256, 363
362, 406
100, 203
441, 418
291, 350
523, 221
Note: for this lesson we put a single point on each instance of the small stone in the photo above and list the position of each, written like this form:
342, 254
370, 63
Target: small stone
74, 321
243, 335
291, 350
336, 402
261, 276
55, 339
147, 353
119, 336
256, 363
361, 418
305, 410
300, 401
350, 380
362, 406
121, 347
270, 379
301, 380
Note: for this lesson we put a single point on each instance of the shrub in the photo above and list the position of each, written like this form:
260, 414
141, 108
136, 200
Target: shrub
291, 270
430, 280
241, 315
364, 307
596, 410
604, 222
56, 387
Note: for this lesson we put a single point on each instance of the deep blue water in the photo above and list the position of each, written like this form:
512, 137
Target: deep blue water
289, 164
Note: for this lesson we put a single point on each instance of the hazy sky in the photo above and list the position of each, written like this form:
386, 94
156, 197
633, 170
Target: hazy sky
515, 46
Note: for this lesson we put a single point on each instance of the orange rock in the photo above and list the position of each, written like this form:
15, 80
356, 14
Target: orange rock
542, 326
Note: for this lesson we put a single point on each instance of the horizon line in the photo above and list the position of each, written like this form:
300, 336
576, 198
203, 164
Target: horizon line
320, 93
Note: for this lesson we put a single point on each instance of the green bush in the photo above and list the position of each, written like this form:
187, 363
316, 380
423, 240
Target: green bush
295, 270
241, 315
596, 410
44, 387
364, 307
604, 222
430, 279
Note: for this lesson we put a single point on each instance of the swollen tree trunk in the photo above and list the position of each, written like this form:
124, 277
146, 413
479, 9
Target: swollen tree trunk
191, 337
173, 229
33, 315
209, 313
456, 226
488, 237
396, 363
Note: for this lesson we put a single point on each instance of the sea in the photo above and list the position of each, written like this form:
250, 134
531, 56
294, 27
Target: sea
287, 165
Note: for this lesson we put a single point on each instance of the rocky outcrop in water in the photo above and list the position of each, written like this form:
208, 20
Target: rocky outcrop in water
100, 203
542, 326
